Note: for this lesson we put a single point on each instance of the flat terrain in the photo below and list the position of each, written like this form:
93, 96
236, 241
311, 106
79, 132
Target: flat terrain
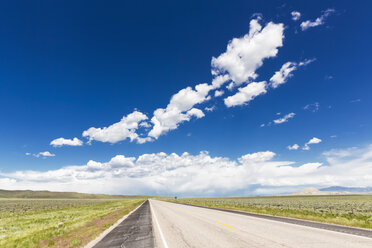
38, 194
58, 222
177, 225
348, 210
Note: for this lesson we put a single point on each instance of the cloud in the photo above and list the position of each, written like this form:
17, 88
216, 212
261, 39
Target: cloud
210, 109
201, 174
355, 100
218, 93
245, 55
306, 62
284, 118
246, 94
293, 147
179, 109
313, 107
281, 76
341, 153
44, 154
318, 21
27, 153
124, 129
313, 140
295, 15
285, 72
68, 142
237, 65
256, 157
145, 124
218, 81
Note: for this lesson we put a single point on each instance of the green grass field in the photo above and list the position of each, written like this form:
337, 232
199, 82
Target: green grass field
58, 222
349, 210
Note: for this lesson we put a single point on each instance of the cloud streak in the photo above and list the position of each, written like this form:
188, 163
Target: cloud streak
318, 21
45, 154
284, 118
285, 72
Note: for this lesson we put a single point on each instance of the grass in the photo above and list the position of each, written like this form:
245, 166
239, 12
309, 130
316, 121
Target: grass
58, 222
348, 210
61, 195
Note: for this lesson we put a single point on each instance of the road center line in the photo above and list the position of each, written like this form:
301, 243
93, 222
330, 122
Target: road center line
160, 231
226, 225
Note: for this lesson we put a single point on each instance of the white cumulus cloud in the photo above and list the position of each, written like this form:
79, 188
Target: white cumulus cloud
246, 94
179, 109
245, 55
218, 93
293, 147
201, 174
235, 66
44, 154
124, 129
313, 140
67, 142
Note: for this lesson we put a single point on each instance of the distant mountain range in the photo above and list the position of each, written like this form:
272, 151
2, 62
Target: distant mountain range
60, 195
349, 189
334, 190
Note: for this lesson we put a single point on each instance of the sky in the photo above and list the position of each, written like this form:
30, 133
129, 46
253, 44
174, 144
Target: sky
188, 98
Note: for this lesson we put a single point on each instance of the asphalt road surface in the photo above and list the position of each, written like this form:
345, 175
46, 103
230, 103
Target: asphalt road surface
134, 232
177, 225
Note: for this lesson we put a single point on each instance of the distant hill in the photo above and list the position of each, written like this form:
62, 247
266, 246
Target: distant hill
349, 189
314, 191
60, 195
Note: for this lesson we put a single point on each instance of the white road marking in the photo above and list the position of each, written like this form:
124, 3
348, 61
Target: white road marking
160, 231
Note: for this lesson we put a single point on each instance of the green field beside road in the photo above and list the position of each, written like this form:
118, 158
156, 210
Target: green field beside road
348, 210
58, 222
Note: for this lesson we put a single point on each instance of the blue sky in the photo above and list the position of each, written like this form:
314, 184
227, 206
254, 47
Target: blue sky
67, 67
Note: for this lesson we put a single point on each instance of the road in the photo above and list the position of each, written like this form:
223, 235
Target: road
176, 225
135, 231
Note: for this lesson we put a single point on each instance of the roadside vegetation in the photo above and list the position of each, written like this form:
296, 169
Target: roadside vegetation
37, 194
348, 210
58, 222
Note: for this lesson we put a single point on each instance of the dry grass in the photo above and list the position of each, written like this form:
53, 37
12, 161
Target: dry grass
58, 223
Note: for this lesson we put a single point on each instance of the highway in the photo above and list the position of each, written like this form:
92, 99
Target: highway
176, 225
135, 231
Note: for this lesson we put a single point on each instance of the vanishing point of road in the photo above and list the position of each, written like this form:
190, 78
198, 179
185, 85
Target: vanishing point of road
170, 225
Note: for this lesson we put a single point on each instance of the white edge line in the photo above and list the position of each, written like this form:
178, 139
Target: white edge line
160, 231
108, 230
